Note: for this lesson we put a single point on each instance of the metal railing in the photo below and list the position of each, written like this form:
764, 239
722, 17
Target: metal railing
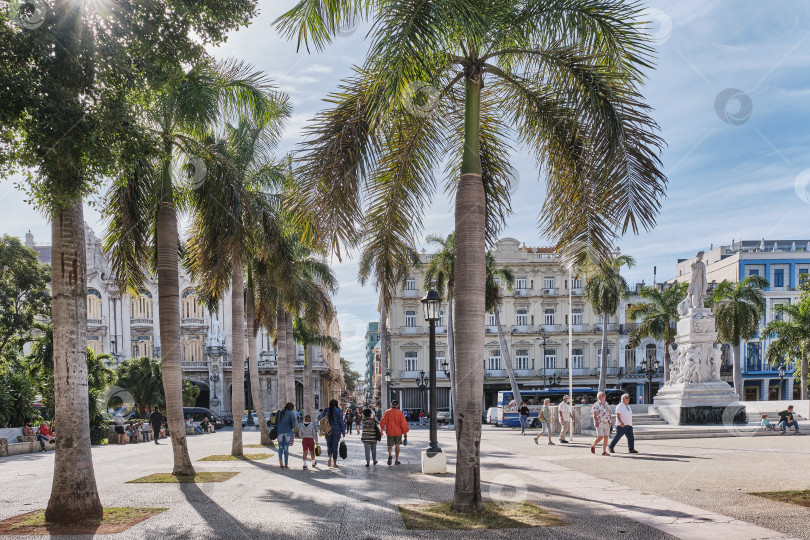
551, 327
96, 322
526, 291
493, 329
523, 329
580, 328
410, 330
611, 327
494, 373
192, 320
410, 293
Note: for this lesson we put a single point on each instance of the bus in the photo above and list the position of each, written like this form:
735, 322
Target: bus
508, 409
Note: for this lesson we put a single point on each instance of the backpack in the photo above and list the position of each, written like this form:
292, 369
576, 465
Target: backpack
324, 425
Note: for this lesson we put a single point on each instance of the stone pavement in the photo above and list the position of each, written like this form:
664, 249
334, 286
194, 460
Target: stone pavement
355, 502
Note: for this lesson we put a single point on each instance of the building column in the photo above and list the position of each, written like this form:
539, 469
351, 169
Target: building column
764, 388
788, 390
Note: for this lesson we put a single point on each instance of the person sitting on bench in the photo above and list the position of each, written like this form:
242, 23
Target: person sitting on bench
786, 420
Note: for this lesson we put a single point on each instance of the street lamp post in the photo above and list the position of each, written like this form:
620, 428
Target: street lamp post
781, 376
650, 367
431, 304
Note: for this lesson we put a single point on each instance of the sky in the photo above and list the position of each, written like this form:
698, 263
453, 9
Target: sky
729, 92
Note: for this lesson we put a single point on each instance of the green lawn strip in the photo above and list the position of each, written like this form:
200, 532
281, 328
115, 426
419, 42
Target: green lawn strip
440, 516
114, 520
796, 496
259, 446
199, 478
245, 457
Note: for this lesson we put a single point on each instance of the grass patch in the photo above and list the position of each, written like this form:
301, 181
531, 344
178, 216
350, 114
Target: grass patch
199, 478
115, 520
440, 516
795, 496
259, 446
245, 457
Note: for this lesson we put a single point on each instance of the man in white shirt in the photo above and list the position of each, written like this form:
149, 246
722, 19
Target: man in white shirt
564, 410
624, 421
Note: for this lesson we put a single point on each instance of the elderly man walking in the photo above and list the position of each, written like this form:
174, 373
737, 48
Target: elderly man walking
396, 427
565, 413
624, 417
601, 422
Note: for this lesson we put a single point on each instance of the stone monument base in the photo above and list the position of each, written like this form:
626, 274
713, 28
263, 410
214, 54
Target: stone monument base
699, 404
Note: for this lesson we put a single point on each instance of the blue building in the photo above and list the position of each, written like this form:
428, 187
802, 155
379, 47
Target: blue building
781, 262
372, 339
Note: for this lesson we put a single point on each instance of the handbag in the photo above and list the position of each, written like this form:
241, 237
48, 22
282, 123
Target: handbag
273, 434
377, 431
317, 449
342, 450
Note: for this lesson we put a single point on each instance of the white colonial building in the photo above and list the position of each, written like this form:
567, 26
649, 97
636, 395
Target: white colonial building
126, 326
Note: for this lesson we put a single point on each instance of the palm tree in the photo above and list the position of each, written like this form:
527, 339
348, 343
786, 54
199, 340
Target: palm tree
142, 207
738, 308
309, 337
440, 270
791, 328
435, 85
659, 317
494, 276
605, 290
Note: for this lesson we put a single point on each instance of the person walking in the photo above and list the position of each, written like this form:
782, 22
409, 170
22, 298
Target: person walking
421, 418
601, 422
368, 436
338, 430
350, 421
285, 423
396, 428
156, 421
545, 421
119, 428
524, 417
566, 414
309, 439
624, 417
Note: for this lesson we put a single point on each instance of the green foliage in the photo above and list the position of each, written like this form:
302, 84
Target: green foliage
190, 393
441, 267
658, 314
17, 394
350, 376
99, 377
498, 279
142, 378
24, 295
738, 308
606, 286
790, 330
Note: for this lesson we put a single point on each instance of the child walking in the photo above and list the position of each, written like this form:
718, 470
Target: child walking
370, 428
309, 438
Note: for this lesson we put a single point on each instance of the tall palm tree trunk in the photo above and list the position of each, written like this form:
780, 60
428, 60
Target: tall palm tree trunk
667, 360
309, 390
737, 368
253, 363
603, 363
281, 357
803, 376
169, 315
384, 393
451, 355
470, 278
74, 495
291, 358
507, 359
238, 351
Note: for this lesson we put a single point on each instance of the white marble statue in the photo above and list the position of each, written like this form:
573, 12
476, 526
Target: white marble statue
696, 293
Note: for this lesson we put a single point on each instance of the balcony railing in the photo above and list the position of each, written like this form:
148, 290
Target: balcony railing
492, 329
135, 322
441, 329
406, 375
550, 292
95, 322
194, 364
524, 373
580, 327
191, 320
523, 329
494, 373
411, 293
551, 328
576, 291
523, 292
410, 330
611, 327
268, 363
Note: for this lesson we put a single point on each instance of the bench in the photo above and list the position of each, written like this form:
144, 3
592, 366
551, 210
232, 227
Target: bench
13, 443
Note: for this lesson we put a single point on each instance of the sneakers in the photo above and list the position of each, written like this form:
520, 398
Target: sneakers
611, 449
563, 441
633, 452
375, 463
389, 459
551, 443
397, 463
306, 468
366, 463
314, 463
593, 449
535, 442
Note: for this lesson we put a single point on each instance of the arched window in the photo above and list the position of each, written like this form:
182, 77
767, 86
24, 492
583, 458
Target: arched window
141, 346
193, 349
190, 307
141, 305
93, 304
650, 353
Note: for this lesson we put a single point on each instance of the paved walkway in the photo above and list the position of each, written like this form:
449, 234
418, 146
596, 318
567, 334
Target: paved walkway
355, 502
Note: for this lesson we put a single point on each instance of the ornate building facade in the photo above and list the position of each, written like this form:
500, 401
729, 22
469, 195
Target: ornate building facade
126, 326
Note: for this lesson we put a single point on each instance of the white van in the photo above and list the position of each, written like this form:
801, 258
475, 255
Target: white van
494, 416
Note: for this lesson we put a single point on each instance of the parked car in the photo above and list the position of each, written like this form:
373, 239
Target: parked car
198, 413
493, 417
443, 417
245, 418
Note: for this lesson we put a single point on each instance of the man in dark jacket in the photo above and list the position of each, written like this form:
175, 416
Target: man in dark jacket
156, 420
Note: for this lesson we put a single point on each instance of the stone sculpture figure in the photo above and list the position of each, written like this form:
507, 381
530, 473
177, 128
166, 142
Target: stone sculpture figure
696, 293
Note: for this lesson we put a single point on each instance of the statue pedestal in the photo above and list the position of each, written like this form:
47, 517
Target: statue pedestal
695, 393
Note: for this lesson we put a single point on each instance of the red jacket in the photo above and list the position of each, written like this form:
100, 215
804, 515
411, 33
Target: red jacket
45, 430
393, 423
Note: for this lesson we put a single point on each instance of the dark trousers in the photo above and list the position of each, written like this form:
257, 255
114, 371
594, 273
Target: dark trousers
156, 432
42, 440
624, 431
332, 443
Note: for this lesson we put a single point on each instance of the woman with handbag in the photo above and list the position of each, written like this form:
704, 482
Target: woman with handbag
285, 423
338, 430
371, 435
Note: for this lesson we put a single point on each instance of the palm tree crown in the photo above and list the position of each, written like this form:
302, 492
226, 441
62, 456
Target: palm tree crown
790, 329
